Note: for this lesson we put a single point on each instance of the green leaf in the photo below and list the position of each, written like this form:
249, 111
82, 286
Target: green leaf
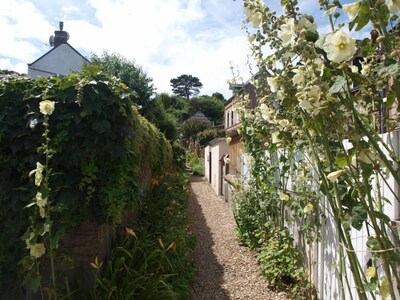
35, 284
352, 23
372, 243
358, 216
341, 161
391, 97
389, 70
370, 286
363, 16
338, 86
381, 216
101, 126
367, 47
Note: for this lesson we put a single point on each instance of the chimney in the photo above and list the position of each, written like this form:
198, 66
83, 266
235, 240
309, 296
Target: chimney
60, 36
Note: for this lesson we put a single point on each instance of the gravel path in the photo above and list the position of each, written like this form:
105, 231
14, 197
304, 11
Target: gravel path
225, 269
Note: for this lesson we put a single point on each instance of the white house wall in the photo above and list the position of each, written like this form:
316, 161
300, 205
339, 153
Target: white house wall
207, 162
61, 60
217, 148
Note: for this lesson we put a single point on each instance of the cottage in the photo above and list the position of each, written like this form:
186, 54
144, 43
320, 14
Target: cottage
232, 124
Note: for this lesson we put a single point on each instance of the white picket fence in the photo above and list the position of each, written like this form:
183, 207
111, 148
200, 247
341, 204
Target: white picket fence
325, 257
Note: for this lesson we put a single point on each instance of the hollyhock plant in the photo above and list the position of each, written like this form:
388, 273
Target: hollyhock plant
324, 128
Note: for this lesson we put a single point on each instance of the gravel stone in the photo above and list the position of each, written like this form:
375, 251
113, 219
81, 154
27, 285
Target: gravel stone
225, 269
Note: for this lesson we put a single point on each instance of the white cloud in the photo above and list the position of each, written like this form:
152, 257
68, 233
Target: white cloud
166, 38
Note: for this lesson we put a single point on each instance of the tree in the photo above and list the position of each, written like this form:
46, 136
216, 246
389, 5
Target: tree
186, 86
130, 74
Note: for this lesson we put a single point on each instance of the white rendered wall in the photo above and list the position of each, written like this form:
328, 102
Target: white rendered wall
61, 60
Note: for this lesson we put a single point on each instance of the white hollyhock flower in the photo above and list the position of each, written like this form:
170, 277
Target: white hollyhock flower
41, 203
371, 272
319, 66
273, 83
330, 11
339, 46
283, 196
266, 113
37, 250
306, 105
38, 173
305, 23
283, 123
370, 157
308, 209
354, 69
394, 6
287, 32
351, 9
333, 176
275, 137
47, 107
299, 76
253, 16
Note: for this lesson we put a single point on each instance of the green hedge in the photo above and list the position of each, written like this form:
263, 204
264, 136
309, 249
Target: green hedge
100, 143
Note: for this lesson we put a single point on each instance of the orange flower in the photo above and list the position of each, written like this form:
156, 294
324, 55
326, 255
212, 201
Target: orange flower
130, 232
96, 264
154, 181
172, 246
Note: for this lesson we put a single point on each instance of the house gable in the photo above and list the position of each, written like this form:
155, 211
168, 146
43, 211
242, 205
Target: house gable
61, 60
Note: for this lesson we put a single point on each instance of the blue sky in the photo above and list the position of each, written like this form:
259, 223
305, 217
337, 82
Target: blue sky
166, 38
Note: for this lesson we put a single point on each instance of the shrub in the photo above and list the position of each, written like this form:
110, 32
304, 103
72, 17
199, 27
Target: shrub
194, 162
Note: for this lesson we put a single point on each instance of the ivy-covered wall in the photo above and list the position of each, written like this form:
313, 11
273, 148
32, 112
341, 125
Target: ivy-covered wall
99, 148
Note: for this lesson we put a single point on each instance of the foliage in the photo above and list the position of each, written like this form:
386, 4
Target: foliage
279, 261
129, 73
179, 155
153, 260
8, 72
97, 143
191, 128
212, 107
249, 218
314, 140
186, 86
195, 163
164, 120
209, 134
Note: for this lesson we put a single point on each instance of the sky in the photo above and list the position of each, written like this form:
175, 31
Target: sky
166, 38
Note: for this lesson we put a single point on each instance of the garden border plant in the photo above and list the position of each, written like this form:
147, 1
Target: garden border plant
152, 258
